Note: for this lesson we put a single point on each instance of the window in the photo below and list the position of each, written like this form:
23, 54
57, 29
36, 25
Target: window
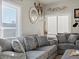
58, 24
10, 21
63, 24
52, 25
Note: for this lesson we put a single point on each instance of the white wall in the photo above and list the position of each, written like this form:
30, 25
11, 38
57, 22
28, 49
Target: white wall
71, 5
27, 27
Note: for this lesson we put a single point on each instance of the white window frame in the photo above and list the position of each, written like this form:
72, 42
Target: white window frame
58, 29
18, 20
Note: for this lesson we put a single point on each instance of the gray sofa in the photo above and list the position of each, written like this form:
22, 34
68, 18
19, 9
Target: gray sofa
67, 41
29, 47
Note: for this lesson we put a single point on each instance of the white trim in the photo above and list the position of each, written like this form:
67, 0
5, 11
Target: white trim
18, 19
9, 28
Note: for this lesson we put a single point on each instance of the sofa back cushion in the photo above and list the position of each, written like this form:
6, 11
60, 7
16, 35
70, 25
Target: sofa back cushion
21, 39
73, 38
62, 38
5, 44
67, 35
30, 43
17, 46
42, 41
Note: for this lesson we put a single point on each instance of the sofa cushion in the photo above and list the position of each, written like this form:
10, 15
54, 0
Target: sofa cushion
27, 48
53, 42
30, 43
0, 49
73, 38
5, 44
67, 35
17, 46
62, 38
21, 39
77, 44
35, 37
12, 55
66, 46
37, 55
42, 41
49, 49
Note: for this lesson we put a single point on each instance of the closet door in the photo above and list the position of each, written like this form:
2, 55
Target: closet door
52, 25
63, 24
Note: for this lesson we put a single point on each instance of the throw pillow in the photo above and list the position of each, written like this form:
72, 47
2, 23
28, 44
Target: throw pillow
30, 43
21, 39
17, 46
73, 38
62, 38
42, 41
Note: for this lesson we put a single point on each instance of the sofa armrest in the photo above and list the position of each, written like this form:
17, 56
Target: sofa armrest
53, 41
12, 55
77, 42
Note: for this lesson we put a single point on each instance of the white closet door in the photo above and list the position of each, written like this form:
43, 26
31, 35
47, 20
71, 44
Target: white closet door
63, 24
52, 25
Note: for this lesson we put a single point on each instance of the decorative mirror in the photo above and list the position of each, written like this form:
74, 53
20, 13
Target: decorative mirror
33, 15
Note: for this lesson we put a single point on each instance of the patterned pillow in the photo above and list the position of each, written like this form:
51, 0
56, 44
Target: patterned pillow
21, 39
30, 43
62, 38
17, 46
73, 38
42, 41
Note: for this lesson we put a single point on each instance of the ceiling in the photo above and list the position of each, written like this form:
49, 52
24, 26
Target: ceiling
48, 1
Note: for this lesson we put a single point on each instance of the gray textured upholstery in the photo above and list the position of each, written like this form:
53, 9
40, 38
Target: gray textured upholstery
67, 35
22, 41
50, 49
17, 46
12, 55
53, 42
30, 43
0, 49
5, 44
66, 46
77, 44
61, 38
42, 41
67, 41
35, 36
26, 45
37, 54
72, 38
35, 47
